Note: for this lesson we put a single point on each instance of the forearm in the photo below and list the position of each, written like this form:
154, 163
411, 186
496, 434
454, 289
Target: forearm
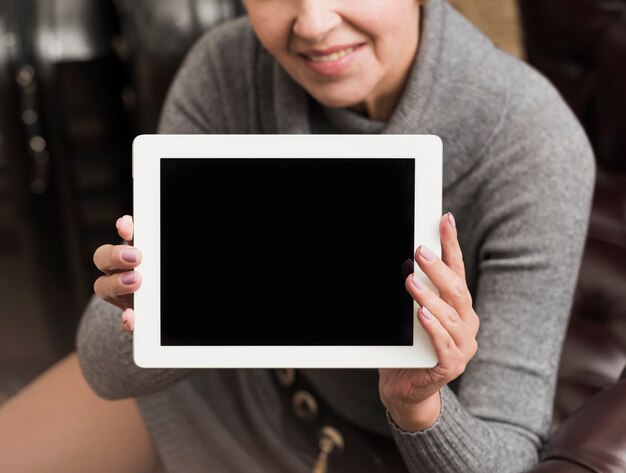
461, 442
416, 417
105, 353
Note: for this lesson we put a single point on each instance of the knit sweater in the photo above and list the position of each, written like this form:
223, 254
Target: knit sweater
518, 177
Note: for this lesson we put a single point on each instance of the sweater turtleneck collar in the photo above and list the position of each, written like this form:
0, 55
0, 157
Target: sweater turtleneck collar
447, 94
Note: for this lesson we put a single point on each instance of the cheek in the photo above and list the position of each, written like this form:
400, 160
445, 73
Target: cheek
387, 27
271, 29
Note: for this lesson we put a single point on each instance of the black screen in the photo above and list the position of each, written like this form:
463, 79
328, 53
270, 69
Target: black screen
286, 251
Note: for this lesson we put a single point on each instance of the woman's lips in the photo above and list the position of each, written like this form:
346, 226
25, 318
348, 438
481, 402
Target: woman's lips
333, 61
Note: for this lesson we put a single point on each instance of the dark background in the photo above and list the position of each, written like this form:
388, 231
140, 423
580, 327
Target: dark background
78, 81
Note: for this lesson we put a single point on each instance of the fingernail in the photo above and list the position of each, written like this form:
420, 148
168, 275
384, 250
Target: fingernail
129, 278
117, 223
130, 256
124, 321
426, 253
427, 313
451, 220
417, 282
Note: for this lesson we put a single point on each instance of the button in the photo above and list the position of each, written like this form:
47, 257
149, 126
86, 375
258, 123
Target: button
304, 405
332, 436
331, 440
25, 75
285, 376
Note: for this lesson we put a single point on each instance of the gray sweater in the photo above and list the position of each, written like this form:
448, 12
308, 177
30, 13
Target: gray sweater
518, 176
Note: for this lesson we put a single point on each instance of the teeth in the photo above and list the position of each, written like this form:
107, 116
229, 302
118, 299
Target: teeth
331, 57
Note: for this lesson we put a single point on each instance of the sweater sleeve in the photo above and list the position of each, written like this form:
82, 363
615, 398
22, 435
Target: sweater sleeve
105, 351
461, 442
533, 189
105, 354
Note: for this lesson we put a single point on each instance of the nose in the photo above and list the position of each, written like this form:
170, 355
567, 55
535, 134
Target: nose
314, 20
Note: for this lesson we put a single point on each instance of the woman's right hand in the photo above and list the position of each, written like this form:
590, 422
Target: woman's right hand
119, 281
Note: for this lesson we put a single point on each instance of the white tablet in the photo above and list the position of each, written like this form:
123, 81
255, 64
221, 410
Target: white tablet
282, 251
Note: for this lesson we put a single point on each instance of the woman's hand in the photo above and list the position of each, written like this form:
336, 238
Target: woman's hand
412, 395
120, 281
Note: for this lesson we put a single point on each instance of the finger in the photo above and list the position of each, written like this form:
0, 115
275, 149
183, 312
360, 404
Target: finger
445, 314
125, 228
451, 287
451, 252
113, 287
449, 356
128, 320
112, 259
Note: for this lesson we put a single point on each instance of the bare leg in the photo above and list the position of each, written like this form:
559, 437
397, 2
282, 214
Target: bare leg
58, 425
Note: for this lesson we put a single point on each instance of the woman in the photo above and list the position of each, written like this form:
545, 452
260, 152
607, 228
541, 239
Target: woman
518, 174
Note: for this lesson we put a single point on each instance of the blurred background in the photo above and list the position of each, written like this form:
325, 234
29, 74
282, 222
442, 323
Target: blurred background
80, 79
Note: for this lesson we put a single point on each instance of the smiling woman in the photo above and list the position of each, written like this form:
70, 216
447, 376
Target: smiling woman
345, 54
518, 174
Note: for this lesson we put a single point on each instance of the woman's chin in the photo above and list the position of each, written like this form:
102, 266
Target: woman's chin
338, 100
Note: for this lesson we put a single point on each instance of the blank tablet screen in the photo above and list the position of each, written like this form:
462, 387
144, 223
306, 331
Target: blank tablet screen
286, 251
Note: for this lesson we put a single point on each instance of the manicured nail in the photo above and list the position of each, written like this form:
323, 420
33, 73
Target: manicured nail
426, 253
427, 313
451, 220
130, 256
417, 282
129, 278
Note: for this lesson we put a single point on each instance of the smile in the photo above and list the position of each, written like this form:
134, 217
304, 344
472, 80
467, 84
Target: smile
333, 56
331, 62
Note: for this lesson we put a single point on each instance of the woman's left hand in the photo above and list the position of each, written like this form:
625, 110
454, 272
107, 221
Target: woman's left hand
412, 395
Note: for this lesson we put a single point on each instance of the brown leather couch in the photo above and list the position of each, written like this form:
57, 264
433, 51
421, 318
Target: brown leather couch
581, 47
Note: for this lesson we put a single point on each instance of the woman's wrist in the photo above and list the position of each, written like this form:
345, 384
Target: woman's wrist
416, 417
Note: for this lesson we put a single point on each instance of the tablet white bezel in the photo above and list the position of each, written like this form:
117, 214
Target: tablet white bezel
147, 152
